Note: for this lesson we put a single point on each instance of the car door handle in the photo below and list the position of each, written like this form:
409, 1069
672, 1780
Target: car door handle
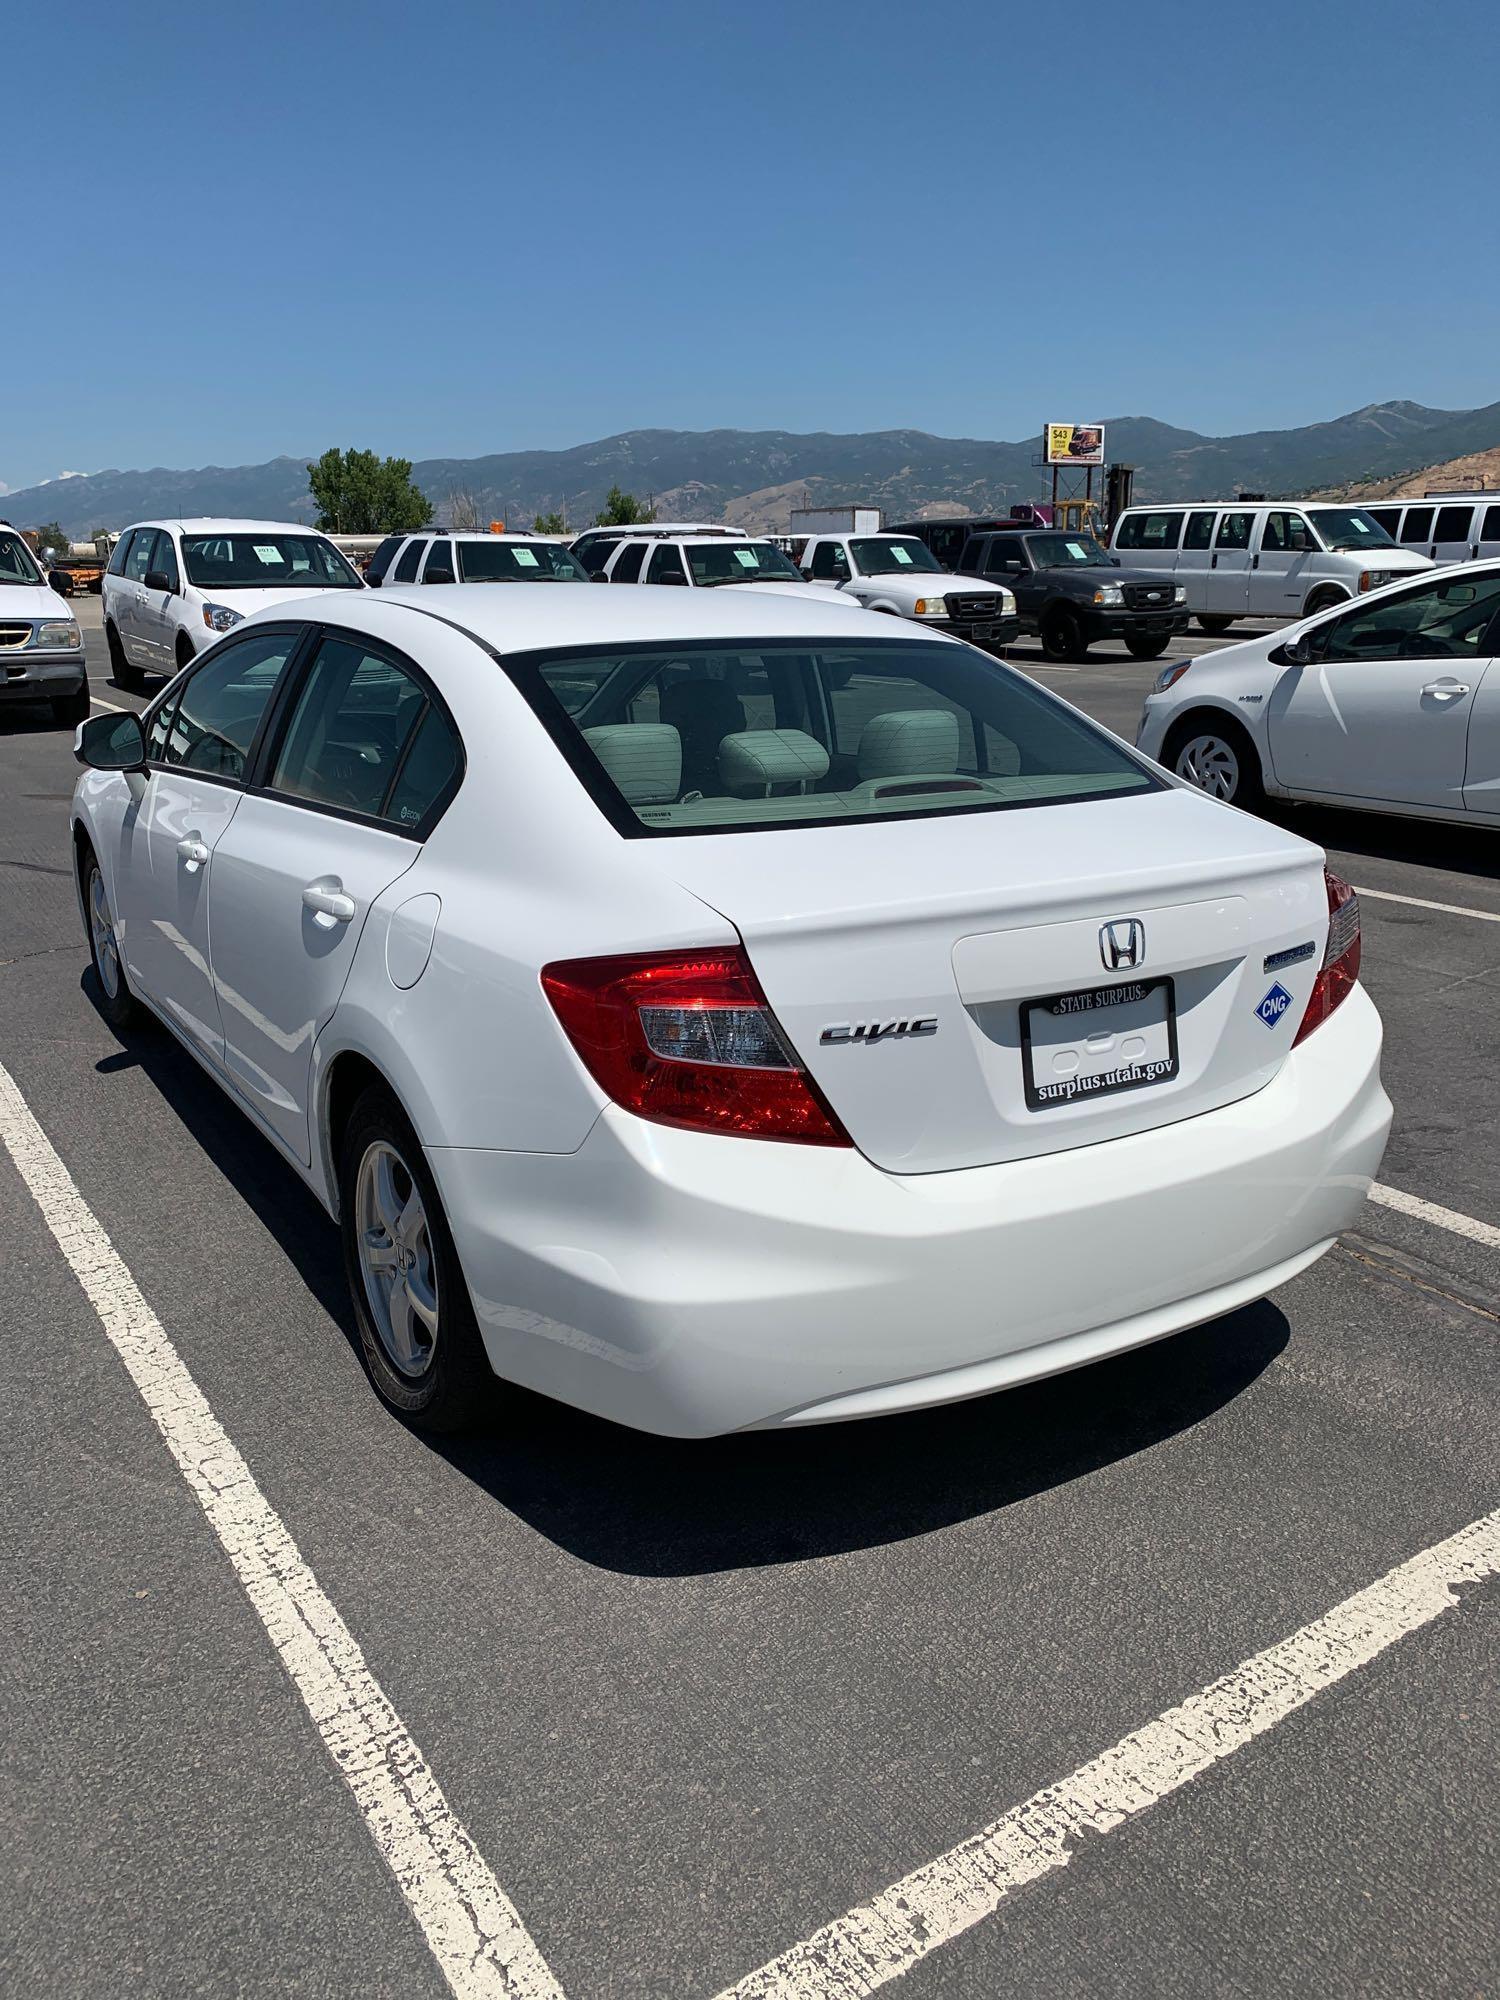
193, 849
331, 903
1446, 689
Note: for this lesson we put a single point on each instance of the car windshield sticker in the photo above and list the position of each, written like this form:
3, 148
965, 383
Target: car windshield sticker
901, 555
526, 559
747, 558
269, 553
1274, 1005
1077, 549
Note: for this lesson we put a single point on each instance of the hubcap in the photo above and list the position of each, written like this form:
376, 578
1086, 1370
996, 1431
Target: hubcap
396, 1260
1209, 763
102, 932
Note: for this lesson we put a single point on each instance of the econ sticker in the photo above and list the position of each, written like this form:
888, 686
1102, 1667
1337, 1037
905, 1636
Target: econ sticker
1274, 1005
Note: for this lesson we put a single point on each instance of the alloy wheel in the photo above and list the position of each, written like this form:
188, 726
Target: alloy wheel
396, 1259
102, 935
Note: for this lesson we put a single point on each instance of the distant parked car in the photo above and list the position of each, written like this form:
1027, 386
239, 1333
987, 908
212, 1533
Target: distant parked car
707, 562
1277, 559
595, 545
41, 647
172, 587
478, 558
1391, 703
1448, 528
900, 575
1071, 592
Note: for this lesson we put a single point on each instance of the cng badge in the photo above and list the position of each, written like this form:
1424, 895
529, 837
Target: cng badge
1274, 1005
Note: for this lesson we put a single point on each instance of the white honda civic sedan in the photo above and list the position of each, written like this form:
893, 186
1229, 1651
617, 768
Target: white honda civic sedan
718, 1010
1391, 703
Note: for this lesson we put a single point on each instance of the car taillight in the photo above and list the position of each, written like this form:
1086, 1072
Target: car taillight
686, 1038
1340, 967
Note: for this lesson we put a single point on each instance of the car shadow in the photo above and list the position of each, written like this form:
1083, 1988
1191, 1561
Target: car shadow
625, 1501
1458, 850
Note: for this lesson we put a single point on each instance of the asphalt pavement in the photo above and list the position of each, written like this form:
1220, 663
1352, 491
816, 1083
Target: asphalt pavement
695, 1701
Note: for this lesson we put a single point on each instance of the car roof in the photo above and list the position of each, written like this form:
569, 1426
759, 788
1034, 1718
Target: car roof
481, 535
655, 530
202, 524
521, 620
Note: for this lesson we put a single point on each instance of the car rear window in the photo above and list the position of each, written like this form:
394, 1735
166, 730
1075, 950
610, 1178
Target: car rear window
696, 739
518, 562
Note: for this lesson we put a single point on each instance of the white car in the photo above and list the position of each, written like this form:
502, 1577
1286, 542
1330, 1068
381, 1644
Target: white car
593, 546
41, 646
704, 562
436, 557
172, 587
718, 1009
899, 574
1391, 703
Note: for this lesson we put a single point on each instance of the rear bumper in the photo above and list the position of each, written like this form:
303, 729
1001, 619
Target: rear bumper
691, 1284
33, 676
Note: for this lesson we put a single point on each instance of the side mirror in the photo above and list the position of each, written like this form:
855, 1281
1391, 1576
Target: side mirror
671, 576
111, 743
157, 579
437, 573
60, 581
1297, 652
597, 576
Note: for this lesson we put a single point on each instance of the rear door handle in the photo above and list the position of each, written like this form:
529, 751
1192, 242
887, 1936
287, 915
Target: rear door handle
1446, 689
193, 849
330, 903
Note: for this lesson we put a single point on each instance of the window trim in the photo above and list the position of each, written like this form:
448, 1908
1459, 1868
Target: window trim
173, 690
277, 721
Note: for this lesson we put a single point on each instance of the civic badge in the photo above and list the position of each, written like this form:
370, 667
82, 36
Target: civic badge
1122, 944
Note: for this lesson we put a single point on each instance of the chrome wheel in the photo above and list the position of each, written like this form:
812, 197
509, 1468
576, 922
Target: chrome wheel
396, 1260
1211, 764
102, 936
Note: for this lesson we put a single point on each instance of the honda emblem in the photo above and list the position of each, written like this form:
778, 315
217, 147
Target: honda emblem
1122, 944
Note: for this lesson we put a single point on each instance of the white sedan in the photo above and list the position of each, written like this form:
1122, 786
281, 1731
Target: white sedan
1390, 703
717, 1009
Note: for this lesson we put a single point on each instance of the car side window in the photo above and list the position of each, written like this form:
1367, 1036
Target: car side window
1388, 518
380, 562
1416, 524
1452, 524
213, 723
164, 558
829, 563
1006, 553
1286, 533
1200, 531
972, 561
1234, 531
122, 551
142, 542
359, 740
1150, 531
1490, 532
411, 555
158, 735
628, 568
439, 557
665, 561
1446, 620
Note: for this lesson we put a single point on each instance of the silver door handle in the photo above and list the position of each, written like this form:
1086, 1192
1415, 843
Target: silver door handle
328, 903
1447, 689
193, 849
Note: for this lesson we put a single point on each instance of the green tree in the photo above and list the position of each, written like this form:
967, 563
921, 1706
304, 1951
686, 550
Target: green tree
622, 510
360, 494
549, 524
50, 536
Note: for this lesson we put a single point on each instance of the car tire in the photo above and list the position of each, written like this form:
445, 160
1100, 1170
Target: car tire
114, 1000
70, 709
1214, 753
417, 1329
1146, 645
1062, 637
1213, 625
184, 651
121, 672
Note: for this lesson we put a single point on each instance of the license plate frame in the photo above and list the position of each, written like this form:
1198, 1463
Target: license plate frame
1090, 1085
983, 631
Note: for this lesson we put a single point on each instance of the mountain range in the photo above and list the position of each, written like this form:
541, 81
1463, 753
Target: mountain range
755, 478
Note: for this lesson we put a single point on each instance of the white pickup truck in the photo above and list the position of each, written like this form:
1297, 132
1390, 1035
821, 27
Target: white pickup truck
899, 574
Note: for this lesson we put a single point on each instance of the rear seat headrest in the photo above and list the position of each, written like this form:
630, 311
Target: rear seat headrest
643, 758
907, 740
753, 760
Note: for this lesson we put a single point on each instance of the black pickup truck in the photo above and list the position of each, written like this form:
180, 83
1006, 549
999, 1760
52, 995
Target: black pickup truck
1071, 591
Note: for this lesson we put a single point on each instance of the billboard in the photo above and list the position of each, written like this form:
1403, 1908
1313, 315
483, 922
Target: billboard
1073, 444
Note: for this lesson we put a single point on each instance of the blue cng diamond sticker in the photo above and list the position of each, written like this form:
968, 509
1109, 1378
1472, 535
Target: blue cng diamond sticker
1274, 1005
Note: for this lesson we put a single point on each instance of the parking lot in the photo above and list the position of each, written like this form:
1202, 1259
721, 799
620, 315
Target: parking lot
673, 1718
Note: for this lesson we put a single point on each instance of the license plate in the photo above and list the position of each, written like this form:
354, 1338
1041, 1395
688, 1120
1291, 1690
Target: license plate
982, 632
1098, 1041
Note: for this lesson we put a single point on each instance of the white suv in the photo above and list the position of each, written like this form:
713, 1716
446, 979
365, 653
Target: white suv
707, 562
41, 647
173, 586
434, 557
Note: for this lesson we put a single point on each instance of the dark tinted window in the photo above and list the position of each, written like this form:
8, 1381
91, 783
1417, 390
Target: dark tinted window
426, 778
829, 562
406, 569
380, 562
1007, 552
1388, 518
1150, 531
1200, 531
1417, 524
17, 564
628, 568
439, 557
665, 561
972, 559
222, 702
1490, 532
1234, 531
593, 551
349, 731
1446, 620
164, 558
494, 561
142, 542
1453, 523
122, 550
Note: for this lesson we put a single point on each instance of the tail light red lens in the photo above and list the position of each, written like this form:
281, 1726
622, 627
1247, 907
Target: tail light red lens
1340, 967
687, 1038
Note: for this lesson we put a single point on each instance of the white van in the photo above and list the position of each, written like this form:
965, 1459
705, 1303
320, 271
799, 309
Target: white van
1448, 527
1263, 559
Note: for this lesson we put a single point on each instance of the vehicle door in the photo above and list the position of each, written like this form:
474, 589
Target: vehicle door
1229, 564
161, 586
830, 563
1454, 533
364, 760
1279, 565
1009, 563
130, 597
406, 563
666, 565
1381, 708
1195, 556
625, 566
438, 567
198, 748
1416, 529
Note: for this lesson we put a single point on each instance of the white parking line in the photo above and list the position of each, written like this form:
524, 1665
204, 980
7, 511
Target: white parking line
882, 1939
113, 706
471, 1927
1444, 1218
1421, 903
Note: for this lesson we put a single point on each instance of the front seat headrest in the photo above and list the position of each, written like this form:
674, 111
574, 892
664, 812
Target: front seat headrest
756, 759
908, 740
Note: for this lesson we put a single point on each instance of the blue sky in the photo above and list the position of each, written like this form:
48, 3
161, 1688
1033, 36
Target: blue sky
460, 228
